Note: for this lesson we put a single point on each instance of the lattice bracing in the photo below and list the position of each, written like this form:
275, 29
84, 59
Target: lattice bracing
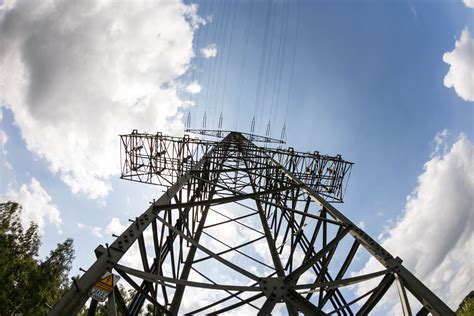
242, 230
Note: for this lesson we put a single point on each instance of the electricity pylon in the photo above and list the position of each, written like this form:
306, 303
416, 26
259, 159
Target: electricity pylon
245, 229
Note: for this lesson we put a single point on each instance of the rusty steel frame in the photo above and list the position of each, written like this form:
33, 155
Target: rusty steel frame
295, 251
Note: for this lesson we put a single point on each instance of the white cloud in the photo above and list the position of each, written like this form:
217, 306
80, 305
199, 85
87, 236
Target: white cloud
7, 4
440, 143
3, 135
115, 227
3, 151
434, 236
3, 142
193, 88
209, 51
461, 71
89, 71
3, 138
37, 205
95, 230
469, 3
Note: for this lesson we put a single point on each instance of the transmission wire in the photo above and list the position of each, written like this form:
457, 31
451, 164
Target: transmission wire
281, 49
243, 62
280, 62
228, 56
262, 60
198, 67
221, 54
268, 68
211, 67
293, 61
203, 94
221, 39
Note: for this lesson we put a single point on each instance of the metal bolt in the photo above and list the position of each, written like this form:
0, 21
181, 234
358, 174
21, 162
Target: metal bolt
75, 283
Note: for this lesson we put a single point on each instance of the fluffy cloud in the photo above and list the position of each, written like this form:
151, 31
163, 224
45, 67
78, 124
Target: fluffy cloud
209, 51
78, 73
193, 88
37, 205
3, 142
469, 3
115, 227
95, 230
434, 236
3, 151
461, 70
3, 135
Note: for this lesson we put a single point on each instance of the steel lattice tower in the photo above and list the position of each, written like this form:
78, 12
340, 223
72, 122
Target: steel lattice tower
251, 227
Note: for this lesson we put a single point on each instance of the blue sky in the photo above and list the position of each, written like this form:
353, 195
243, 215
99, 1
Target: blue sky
367, 83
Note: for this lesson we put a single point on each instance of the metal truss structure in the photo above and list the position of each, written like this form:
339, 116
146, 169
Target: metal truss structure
162, 160
246, 230
223, 133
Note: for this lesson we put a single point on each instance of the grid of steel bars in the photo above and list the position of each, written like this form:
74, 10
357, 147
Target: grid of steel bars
240, 224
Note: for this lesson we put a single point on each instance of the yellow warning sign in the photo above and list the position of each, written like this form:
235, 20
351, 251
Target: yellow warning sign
109, 280
106, 283
102, 288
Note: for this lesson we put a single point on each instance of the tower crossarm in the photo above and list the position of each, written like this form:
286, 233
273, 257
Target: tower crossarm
327, 175
161, 159
223, 133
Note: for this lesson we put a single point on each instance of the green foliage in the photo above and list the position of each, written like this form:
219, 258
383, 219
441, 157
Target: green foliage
28, 285
467, 309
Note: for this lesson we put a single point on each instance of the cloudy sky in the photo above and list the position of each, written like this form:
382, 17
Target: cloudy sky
388, 84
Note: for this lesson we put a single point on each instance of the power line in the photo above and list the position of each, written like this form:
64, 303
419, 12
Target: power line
221, 43
275, 100
228, 56
262, 59
243, 62
293, 59
280, 63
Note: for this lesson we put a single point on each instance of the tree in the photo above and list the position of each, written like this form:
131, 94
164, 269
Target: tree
29, 285
467, 306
